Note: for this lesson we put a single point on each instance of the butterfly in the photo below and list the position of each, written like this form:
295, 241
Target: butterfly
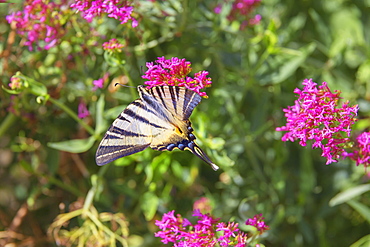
159, 119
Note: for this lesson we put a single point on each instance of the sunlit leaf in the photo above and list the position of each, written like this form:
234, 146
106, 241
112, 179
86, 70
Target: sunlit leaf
149, 204
74, 146
100, 126
362, 242
349, 194
361, 208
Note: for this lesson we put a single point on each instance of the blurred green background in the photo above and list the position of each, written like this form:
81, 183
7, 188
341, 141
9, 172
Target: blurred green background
254, 72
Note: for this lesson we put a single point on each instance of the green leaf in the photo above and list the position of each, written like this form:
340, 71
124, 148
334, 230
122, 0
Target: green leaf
347, 30
349, 194
35, 87
149, 205
100, 126
362, 242
73, 146
10, 91
114, 111
289, 65
363, 72
113, 60
26, 166
361, 208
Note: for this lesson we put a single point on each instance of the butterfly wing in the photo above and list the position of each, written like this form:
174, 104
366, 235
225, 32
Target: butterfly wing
176, 105
130, 133
179, 101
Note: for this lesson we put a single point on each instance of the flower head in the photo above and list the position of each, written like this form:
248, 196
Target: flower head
207, 231
40, 22
316, 115
173, 72
82, 110
361, 153
203, 205
15, 83
116, 9
242, 10
113, 45
257, 222
100, 82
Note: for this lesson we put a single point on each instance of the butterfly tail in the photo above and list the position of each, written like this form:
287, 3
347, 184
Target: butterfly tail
199, 152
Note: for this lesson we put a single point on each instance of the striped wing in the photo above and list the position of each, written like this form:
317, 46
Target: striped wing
179, 101
175, 104
130, 133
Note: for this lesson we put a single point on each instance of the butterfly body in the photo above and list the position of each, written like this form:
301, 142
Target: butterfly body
159, 119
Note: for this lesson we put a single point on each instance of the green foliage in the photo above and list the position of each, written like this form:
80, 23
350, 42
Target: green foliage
47, 165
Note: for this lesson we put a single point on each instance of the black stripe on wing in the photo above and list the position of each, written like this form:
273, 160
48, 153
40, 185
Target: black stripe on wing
106, 154
140, 104
191, 100
160, 95
173, 97
123, 133
140, 118
152, 102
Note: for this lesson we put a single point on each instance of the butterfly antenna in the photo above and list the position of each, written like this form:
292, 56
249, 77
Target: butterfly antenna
123, 85
199, 152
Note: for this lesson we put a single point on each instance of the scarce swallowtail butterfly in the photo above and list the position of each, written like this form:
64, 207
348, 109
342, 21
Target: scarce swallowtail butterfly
158, 119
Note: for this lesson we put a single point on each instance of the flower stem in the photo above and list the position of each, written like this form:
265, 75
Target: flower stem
96, 183
73, 115
8, 121
61, 184
132, 86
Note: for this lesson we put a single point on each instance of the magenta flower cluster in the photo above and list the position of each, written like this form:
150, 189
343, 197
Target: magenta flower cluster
317, 116
258, 223
173, 72
40, 23
113, 45
116, 9
82, 110
361, 153
208, 231
99, 83
15, 83
242, 10
203, 204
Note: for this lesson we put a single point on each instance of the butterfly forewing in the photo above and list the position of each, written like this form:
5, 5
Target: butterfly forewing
127, 135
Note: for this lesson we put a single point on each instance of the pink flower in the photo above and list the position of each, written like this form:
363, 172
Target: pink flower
255, 20
203, 205
15, 83
317, 116
113, 45
82, 110
40, 22
257, 222
116, 9
242, 10
218, 9
181, 232
230, 231
173, 72
361, 153
100, 82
